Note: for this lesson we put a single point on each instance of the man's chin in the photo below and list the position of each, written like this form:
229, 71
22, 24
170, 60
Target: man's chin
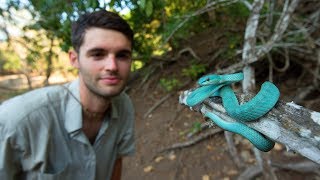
109, 93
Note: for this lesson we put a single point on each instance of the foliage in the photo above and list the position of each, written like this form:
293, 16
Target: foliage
153, 21
10, 61
55, 17
160, 25
196, 127
47, 26
169, 84
194, 70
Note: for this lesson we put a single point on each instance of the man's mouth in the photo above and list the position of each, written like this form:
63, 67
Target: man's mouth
110, 80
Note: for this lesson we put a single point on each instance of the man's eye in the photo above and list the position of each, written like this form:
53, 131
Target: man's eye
97, 55
123, 56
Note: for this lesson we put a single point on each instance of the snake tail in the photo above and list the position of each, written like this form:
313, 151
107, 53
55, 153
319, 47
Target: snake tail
256, 138
258, 106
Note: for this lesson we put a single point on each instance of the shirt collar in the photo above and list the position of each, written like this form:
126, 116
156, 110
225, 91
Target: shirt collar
73, 120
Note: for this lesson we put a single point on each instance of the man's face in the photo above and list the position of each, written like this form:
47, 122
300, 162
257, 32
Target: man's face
104, 62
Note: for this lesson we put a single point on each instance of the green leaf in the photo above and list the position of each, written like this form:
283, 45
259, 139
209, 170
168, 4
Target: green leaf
149, 8
143, 4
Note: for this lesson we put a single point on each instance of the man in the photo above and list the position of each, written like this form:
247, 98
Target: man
82, 129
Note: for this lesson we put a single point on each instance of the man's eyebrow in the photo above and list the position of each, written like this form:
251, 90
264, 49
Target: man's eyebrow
93, 50
127, 51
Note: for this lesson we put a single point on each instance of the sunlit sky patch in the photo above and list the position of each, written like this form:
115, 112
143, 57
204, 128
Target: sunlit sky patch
22, 16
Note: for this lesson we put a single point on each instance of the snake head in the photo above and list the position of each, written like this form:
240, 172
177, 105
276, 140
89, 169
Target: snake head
214, 79
211, 79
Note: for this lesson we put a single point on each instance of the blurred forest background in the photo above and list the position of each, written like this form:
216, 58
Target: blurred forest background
35, 36
177, 41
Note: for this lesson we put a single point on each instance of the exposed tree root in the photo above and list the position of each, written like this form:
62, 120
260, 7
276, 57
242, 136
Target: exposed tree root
250, 172
192, 141
302, 167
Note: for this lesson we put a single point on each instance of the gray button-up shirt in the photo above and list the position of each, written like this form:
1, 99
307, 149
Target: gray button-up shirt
41, 137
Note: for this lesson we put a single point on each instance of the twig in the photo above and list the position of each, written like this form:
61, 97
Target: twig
157, 104
307, 69
303, 93
164, 99
303, 167
263, 160
280, 28
286, 64
175, 116
146, 77
317, 70
232, 150
187, 49
250, 172
192, 141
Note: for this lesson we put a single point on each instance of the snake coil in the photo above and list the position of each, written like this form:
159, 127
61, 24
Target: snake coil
262, 103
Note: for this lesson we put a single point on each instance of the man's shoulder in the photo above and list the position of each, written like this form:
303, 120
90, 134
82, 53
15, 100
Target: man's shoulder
34, 97
20, 106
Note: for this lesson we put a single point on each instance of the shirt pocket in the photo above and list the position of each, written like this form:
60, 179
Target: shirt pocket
63, 174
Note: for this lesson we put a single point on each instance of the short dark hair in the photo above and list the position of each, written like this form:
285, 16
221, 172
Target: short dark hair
101, 19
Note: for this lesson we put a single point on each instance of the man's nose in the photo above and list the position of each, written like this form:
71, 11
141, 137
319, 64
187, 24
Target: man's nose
111, 63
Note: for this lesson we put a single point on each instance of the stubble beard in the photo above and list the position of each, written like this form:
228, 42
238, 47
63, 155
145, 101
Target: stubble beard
98, 91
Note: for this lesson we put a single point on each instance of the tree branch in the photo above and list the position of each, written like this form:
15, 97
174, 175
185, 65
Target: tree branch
289, 124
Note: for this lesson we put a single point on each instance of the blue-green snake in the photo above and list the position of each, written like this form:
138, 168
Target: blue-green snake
219, 85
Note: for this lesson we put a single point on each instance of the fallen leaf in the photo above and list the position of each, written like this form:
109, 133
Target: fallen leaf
158, 159
209, 147
148, 169
232, 172
172, 156
205, 177
278, 147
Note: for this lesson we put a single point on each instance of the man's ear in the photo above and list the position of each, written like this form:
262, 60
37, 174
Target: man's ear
73, 58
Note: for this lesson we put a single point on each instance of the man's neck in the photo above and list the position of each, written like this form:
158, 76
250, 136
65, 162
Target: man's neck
91, 102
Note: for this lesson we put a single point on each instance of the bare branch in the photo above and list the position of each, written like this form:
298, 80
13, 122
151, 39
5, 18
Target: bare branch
280, 28
208, 7
250, 33
193, 141
294, 126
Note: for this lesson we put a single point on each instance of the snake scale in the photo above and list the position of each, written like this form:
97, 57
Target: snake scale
219, 85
